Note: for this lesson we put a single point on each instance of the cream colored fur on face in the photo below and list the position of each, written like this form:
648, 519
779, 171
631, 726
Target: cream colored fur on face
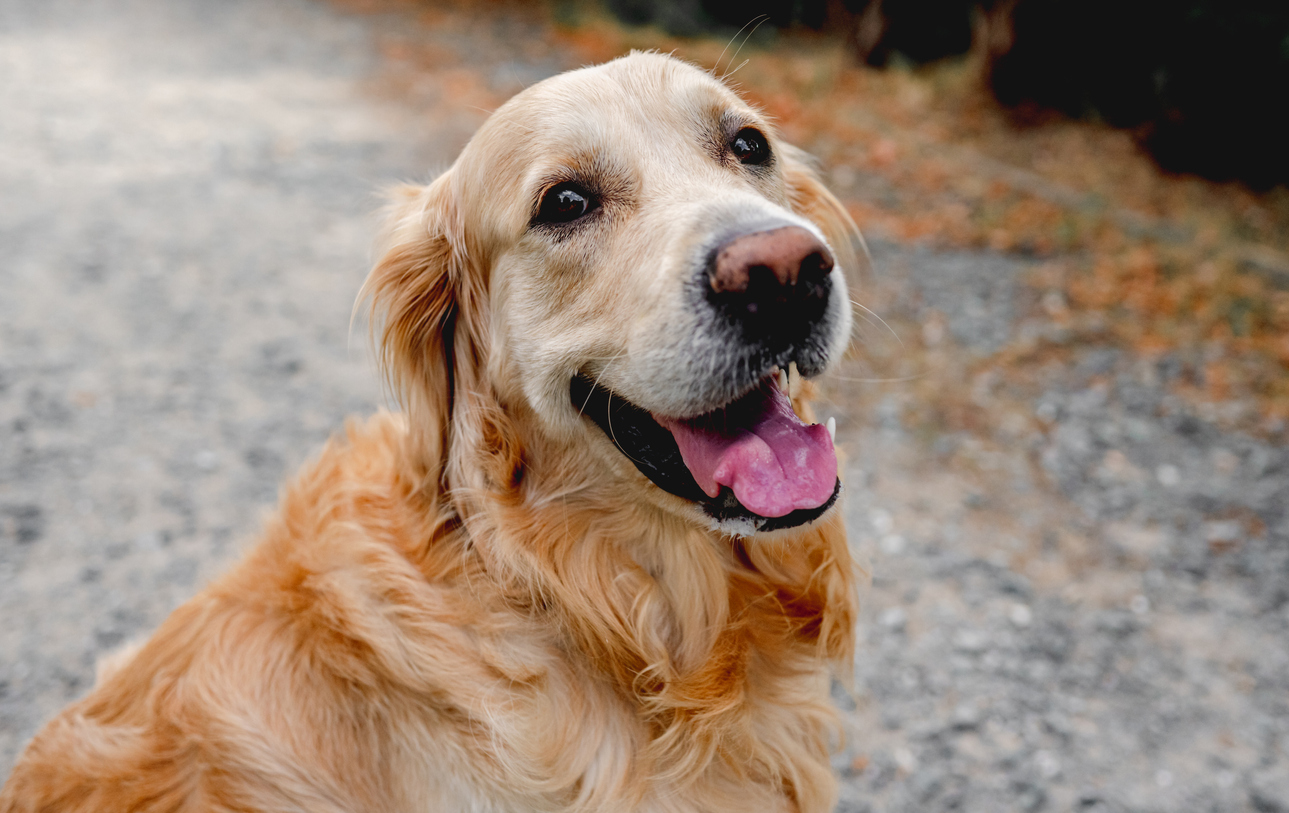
481, 605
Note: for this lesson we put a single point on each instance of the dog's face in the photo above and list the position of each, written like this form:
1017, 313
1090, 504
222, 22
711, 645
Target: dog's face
638, 256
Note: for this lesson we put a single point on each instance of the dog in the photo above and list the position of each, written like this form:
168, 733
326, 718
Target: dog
595, 563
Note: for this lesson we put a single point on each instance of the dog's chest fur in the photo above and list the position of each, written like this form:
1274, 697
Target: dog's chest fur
579, 660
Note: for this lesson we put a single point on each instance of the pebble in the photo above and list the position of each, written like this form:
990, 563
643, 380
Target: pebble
206, 460
905, 760
1226, 530
1020, 615
893, 618
971, 641
892, 544
1047, 763
966, 716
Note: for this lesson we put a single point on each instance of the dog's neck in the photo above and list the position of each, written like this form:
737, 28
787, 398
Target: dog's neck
690, 625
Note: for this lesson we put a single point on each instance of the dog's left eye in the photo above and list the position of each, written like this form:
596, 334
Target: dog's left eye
750, 147
565, 203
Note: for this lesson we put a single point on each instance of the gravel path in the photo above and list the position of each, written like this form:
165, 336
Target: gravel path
186, 193
1086, 609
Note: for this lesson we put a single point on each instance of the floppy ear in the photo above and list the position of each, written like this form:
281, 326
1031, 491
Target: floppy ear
425, 308
812, 200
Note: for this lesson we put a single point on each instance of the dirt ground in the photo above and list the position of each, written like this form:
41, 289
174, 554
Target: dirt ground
1079, 595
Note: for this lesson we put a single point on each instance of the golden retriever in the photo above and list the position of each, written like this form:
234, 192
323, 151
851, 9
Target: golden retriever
595, 564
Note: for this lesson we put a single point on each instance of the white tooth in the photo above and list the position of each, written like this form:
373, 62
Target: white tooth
783, 380
832, 429
794, 380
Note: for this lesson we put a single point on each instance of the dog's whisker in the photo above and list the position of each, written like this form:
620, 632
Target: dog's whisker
759, 22
511, 126
897, 380
596, 383
609, 419
611, 358
712, 72
871, 313
866, 328
736, 70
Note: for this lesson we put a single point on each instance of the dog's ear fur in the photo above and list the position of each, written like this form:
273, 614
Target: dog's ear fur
811, 199
426, 309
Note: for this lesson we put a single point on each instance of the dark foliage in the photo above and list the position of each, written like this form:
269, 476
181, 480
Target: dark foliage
1205, 81
918, 31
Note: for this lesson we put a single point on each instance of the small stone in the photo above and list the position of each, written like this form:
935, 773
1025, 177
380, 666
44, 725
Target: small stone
966, 716
1047, 763
1223, 531
892, 544
1168, 475
882, 520
206, 460
1020, 615
893, 618
904, 760
1164, 778
1140, 605
971, 641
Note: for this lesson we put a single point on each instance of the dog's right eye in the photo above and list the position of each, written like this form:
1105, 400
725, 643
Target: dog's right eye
565, 203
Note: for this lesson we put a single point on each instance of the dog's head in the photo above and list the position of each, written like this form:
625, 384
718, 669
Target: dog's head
615, 270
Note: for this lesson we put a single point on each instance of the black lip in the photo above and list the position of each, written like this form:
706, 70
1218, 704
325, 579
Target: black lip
653, 450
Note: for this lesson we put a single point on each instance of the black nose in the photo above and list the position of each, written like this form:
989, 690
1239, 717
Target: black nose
774, 281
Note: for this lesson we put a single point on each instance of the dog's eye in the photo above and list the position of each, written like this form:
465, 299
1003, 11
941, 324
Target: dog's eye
749, 147
565, 203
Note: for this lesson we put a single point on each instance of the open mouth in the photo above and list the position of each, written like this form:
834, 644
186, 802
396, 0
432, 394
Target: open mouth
751, 465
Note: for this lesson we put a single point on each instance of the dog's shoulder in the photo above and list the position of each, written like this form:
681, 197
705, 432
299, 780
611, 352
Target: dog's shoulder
284, 678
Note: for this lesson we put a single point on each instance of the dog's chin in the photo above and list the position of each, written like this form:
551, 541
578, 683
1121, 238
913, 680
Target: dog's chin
655, 451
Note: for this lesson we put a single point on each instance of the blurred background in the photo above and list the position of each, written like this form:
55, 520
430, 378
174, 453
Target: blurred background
1064, 418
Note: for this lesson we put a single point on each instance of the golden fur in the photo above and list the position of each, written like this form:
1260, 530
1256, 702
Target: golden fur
478, 605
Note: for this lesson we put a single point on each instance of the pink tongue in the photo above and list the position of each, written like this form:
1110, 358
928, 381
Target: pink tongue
774, 463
